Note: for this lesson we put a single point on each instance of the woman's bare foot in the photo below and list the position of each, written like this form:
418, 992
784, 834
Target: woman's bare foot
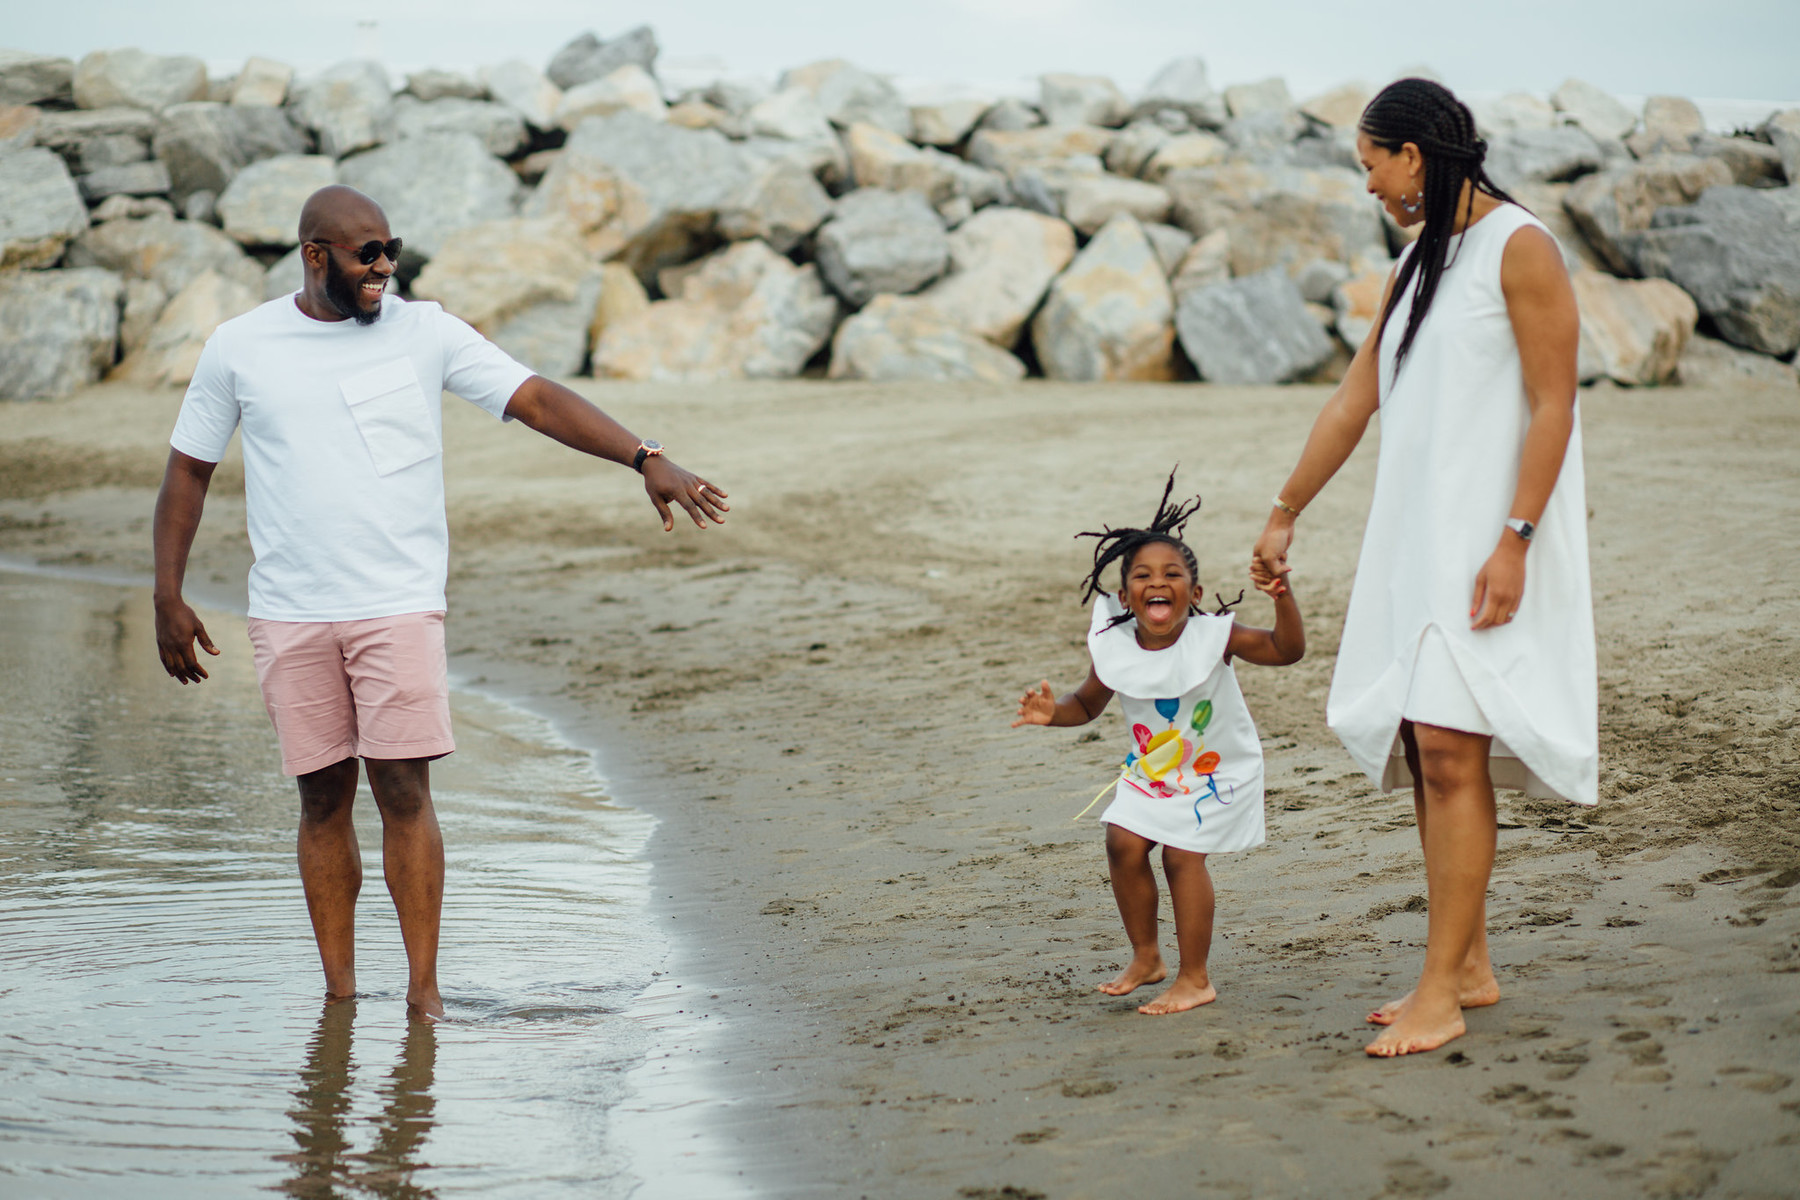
425, 1005
1420, 1027
1143, 968
1476, 992
1182, 995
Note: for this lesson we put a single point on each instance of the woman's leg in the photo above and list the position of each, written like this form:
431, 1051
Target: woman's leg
1479, 987
1191, 893
1134, 887
1458, 834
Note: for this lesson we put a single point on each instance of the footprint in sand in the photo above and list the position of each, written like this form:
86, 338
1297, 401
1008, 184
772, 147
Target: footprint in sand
1752, 1079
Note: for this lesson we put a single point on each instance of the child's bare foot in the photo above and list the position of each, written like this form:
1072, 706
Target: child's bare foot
1182, 995
1141, 970
1422, 1025
1475, 992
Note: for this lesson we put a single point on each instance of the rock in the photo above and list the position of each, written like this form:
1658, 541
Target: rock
1170, 243
40, 209
697, 114
1709, 362
826, 159
1009, 151
1512, 112
27, 78
520, 87
1091, 201
163, 249
432, 186
430, 85
1182, 85
286, 276
125, 179
900, 338
881, 241
1319, 280
119, 208
261, 207
263, 83
737, 95
1553, 155
1110, 315
1612, 205
206, 144
68, 132
1010, 115
792, 114
781, 203
112, 151
1265, 134
748, 314
1736, 251
201, 206
1545, 200
1042, 186
1263, 96
58, 330
534, 166
946, 120
1751, 163
1251, 330
850, 95
621, 297
1339, 108
630, 88
1081, 100
134, 79
1670, 125
172, 349
587, 58
1185, 152
143, 303
1593, 110
1207, 261
1638, 326
19, 127
551, 336
1356, 304
1281, 216
1131, 151
349, 106
500, 127
1783, 132
880, 159
1001, 262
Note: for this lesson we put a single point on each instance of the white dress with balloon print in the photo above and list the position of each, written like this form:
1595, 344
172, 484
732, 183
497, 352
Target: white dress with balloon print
1193, 776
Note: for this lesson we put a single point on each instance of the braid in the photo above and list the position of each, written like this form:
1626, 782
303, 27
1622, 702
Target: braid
1122, 545
1442, 127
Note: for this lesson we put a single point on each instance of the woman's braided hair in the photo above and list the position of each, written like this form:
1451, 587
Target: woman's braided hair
1122, 546
1441, 126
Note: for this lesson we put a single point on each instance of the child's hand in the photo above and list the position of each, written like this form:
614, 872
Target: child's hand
1267, 581
1037, 708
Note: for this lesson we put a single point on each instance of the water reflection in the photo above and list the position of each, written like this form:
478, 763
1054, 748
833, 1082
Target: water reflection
326, 1163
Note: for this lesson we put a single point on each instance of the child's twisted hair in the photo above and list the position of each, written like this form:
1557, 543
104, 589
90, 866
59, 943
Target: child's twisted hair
1122, 545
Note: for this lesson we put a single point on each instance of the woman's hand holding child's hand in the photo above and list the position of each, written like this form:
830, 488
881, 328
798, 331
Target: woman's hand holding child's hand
1037, 708
1265, 580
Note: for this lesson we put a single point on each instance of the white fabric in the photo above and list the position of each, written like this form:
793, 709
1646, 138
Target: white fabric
1452, 430
343, 449
1174, 791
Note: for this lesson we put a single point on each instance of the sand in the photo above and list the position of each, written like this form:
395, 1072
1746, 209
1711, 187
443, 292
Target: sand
879, 888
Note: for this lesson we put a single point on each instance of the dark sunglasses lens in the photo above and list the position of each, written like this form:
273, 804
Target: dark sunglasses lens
374, 250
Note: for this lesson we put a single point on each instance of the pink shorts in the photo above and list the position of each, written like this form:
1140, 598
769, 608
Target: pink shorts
377, 688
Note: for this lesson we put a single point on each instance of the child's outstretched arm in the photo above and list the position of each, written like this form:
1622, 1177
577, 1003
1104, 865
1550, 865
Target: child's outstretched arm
1282, 645
1044, 707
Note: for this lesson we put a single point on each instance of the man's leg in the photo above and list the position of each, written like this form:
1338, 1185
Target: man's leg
331, 870
412, 861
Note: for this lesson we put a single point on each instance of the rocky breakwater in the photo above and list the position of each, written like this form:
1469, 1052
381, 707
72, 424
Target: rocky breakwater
590, 217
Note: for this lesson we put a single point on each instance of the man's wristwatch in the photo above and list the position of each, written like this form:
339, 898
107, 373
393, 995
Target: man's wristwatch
647, 448
1522, 527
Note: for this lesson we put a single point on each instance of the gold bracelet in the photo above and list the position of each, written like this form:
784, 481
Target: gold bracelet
1285, 507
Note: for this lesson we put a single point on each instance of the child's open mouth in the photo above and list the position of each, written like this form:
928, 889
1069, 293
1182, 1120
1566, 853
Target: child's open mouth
1159, 608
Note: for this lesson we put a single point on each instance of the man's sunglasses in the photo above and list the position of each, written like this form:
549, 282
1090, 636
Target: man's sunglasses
368, 252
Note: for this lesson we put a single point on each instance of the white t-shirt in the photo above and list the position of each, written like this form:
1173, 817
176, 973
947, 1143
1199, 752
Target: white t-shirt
343, 449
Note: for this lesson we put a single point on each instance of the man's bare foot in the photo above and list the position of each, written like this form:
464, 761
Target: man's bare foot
1475, 993
1182, 995
1141, 970
1419, 1028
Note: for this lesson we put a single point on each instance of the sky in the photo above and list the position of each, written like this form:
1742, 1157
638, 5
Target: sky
1743, 49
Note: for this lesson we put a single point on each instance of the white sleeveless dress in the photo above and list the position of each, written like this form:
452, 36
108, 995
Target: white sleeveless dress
1453, 427
1193, 778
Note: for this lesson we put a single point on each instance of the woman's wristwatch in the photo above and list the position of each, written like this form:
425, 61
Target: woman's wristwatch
647, 448
1522, 527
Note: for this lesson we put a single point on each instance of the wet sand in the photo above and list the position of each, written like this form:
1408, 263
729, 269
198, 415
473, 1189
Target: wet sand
877, 886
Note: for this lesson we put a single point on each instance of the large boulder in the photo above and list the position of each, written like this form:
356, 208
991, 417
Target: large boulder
1281, 216
1010, 114
630, 88
1182, 85
134, 79
1636, 327
1001, 262
945, 118
901, 338
1068, 99
1132, 148
879, 159
1340, 108
748, 313
588, 58
28, 78
40, 209
782, 202
622, 296
262, 83
1356, 306
206, 144
1546, 202
1252, 330
880, 241
1554, 155
1710, 362
1265, 95
172, 349
791, 114
435, 84
58, 330
125, 179
1611, 206
1185, 152
261, 206
1670, 124
848, 95
163, 249
143, 304
524, 89
1110, 315
1007, 151
18, 127
285, 276
1783, 132
1090, 201
500, 127
1512, 112
431, 186
1594, 110
1737, 252
116, 150
349, 105
1751, 163
1170, 243
70, 133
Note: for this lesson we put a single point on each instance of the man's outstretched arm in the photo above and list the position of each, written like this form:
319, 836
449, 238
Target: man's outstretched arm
556, 412
178, 508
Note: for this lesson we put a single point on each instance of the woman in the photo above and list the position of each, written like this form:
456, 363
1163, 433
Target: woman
1468, 650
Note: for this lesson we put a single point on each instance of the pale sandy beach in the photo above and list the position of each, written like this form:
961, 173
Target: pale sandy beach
878, 887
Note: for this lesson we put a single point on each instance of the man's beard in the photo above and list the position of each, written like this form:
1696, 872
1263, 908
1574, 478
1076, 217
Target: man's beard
345, 297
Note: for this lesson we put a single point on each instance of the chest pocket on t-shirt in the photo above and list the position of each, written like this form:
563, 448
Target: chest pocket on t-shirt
392, 414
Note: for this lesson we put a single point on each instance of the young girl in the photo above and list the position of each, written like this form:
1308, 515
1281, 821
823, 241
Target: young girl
1193, 781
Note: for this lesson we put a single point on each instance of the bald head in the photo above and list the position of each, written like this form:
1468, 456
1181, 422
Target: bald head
341, 214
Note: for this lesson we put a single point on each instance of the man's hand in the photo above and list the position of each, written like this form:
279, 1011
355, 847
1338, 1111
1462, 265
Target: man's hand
177, 628
1500, 584
668, 484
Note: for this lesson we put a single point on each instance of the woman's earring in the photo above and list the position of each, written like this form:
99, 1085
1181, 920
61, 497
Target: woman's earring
1414, 205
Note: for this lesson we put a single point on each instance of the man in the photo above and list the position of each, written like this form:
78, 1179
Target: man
337, 389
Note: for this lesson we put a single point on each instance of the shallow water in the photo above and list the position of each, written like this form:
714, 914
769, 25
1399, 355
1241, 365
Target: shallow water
161, 1029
